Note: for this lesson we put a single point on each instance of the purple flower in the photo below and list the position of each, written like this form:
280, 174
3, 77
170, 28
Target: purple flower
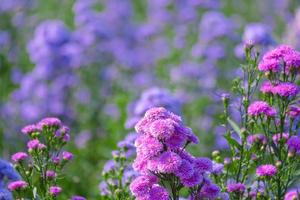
294, 111
267, 87
162, 129
148, 146
50, 174
261, 108
67, 155
35, 144
20, 156
50, 122
29, 129
209, 191
158, 192
286, 89
292, 195
77, 198
185, 170
236, 187
203, 165
258, 33
17, 185
169, 162
217, 168
55, 190
269, 65
266, 170
142, 184
192, 181
294, 144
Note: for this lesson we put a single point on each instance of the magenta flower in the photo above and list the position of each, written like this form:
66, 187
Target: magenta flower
292, 195
294, 111
294, 144
17, 185
169, 162
67, 155
49, 122
203, 165
261, 108
269, 65
286, 89
266, 170
19, 156
192, 181
34, 144
162, 129
158, 192
29, 129
267, 87
55, 190
236, 187
50, 174
141, 185
209, 191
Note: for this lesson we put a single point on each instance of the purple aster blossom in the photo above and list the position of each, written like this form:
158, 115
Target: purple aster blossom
185, 170
142, 185
17, 185
158, 192
55, 190
77, 198
8, 172
50, 122
280, 137
203, 165
236, 187
224, 196
294, 144
162, 129
209, 191
261, 108
257, 139
267, 87
169, 162
267, 170
258, 33
217, 168
20, 156
294, 111
30, 129
292, 195
34, 144
5, 194
148, 146
50, 174
67, 155
286, 89
192, 181
269, 65
176, 141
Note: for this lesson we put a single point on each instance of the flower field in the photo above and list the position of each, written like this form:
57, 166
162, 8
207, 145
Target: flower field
149, 100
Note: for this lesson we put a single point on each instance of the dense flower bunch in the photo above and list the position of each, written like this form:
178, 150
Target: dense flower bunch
41, 166
265, 154
164, 164
118, 173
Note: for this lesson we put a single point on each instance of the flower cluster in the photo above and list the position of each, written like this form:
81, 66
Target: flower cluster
42, 164
161, 154
267, 140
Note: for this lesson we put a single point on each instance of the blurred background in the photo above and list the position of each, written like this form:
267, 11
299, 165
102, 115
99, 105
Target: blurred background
98, 65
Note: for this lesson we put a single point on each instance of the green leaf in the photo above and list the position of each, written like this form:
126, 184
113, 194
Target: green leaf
235, 127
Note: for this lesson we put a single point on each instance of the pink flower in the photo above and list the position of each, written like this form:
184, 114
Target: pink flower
162, 129
50, 174
277, 137
257, 138
29, 129
169, 162
141, 185
34, 144
20, 156
266, 170
267, 65
261, 108
286, 89
294, 111
291, 195
49, 122
148, 146
236, 187
17, 185
203, 165
55, 190
67, 155
267, 87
